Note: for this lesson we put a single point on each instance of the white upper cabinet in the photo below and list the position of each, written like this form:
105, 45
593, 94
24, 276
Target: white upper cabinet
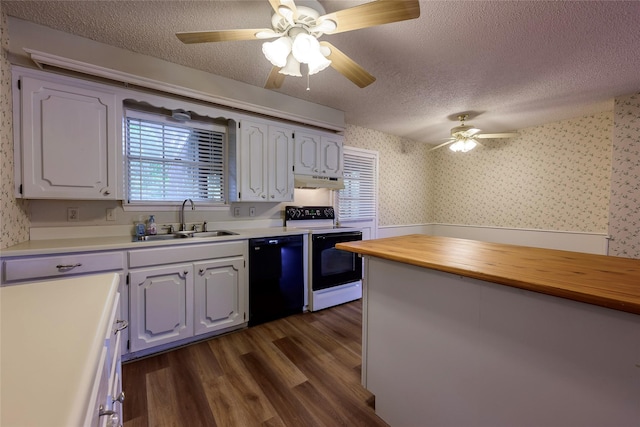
265, 163
318, 154
67, 139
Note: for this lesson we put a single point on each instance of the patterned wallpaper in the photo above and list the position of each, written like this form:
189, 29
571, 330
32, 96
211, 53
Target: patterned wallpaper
404, 176
624, 220
14, 220
551, 177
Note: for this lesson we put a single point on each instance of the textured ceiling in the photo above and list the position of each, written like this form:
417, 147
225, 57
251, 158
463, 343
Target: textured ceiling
511, 64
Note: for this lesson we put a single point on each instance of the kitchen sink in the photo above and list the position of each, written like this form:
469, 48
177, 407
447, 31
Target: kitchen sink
184, 235
214, 233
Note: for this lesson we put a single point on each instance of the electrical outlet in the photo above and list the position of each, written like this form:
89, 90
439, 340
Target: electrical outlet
73, 214
236, 211
252, 211
111, 214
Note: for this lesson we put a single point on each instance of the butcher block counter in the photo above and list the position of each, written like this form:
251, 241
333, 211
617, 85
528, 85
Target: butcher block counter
607, 281
460, 332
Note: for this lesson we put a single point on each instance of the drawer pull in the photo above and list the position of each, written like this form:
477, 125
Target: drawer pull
102, 412
68, 266
122, 325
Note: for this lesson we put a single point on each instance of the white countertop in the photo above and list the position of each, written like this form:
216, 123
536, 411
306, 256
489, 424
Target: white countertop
107, 242
52, 335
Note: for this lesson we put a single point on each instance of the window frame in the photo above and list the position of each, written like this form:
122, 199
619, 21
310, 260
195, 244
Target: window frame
374, 157
158, 115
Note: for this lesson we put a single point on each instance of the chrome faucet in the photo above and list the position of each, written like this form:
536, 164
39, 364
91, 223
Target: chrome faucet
183, 225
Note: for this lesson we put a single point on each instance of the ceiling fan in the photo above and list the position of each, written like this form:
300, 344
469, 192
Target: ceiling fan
464, 137
296, 30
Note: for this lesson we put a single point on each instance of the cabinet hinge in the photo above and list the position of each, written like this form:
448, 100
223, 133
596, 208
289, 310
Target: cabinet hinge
20, 189
127, 280
239, 125
128, 344
239, 196
293, 135
19, 84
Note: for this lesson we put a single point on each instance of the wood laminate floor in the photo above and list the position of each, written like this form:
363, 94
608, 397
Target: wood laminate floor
303, 370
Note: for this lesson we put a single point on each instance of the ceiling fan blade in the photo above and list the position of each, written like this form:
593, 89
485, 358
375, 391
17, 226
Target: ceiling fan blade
444, 144
287, 4
371, 14
275, 79
226, 35
348, 67
496, 135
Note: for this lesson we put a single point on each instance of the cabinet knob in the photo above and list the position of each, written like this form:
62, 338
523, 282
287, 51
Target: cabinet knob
273, 197
107, 192
186, 272
201, 271
263, 196
120, 398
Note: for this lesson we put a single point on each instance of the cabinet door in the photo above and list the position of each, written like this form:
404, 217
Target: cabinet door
331, 156
68, 141
161, 305
220, 294
280, 167
253, 161
306, 149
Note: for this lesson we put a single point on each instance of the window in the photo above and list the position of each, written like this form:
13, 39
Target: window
358, 200
170, 161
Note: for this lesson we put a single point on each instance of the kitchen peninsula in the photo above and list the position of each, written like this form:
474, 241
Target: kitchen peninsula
461, 332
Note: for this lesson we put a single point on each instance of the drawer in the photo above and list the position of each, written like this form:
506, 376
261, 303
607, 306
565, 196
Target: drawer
186, 253
61, 265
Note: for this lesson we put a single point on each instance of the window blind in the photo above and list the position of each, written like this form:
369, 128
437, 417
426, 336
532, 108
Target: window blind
357, 200
168, 162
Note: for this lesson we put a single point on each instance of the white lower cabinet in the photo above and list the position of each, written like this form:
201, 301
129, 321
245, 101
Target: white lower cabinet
218, 302
161, 305
177, 302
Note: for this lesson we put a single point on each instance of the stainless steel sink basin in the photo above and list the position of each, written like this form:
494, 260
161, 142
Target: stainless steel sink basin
157, 237
184, 235
214, 233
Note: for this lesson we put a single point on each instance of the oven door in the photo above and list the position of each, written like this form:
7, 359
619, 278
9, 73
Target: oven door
332, 267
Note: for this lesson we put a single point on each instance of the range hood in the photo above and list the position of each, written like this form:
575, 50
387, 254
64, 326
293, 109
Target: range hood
313, 181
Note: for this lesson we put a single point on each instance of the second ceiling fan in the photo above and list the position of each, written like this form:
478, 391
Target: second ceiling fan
463, 137
296, 30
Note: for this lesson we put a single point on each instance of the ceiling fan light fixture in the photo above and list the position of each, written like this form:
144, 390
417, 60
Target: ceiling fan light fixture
304, 47
277, 51
463, 145
292, 68
306, 50
317, 63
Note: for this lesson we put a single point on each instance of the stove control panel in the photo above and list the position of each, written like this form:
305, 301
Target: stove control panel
309, 212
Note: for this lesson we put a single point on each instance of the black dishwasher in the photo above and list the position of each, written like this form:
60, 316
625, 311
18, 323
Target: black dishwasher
276, 278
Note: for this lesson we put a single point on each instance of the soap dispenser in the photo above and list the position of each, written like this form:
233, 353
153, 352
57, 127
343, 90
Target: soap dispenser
151, 226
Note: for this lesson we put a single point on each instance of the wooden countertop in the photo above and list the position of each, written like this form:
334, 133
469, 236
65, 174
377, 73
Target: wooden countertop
606, 281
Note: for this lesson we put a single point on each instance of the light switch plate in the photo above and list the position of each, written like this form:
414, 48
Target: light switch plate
111, 214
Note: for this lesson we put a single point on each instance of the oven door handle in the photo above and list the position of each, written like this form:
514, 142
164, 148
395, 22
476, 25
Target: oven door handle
338, 235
